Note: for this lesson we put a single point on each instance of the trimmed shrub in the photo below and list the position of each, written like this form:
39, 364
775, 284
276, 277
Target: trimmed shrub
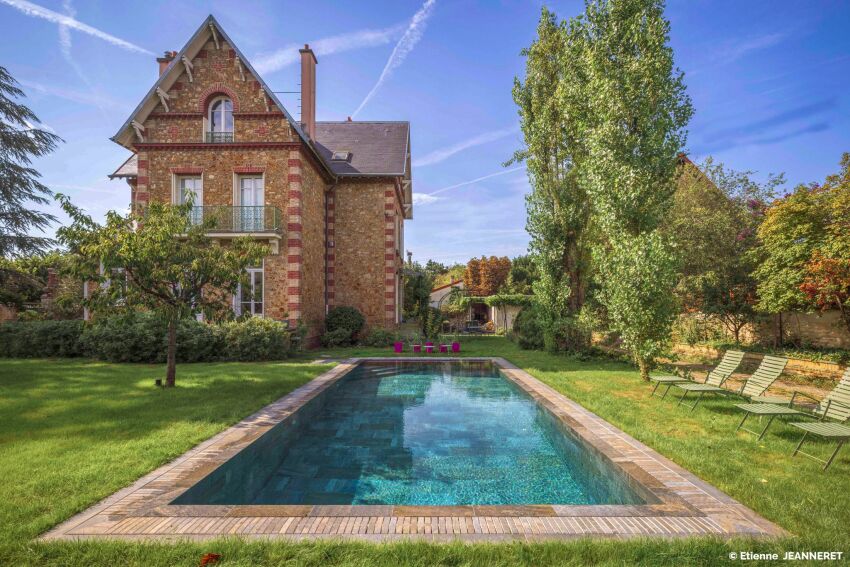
527, 331
345, 318
132, 337
35, 339
342, 325
379, 338
256, 338
337, 338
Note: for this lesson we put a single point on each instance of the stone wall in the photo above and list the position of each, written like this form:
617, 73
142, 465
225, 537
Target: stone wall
824, 330
313, 252
361, 265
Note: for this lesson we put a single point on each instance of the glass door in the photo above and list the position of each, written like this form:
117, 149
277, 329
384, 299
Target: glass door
191, 189
252, 199
251, 294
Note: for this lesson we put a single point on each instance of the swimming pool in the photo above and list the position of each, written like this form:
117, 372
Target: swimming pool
422, 434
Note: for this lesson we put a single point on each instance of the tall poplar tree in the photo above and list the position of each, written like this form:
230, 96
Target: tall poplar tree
21, 141
634, 130
557, 207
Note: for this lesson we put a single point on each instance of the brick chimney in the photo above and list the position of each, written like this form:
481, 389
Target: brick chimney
165, 60
308, 91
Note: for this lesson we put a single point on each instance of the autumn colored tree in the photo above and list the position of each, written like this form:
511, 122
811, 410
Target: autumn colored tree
486, 276
805, 248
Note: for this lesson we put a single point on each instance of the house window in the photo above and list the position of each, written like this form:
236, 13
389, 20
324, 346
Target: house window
191, 188
252, 202
249, 296
220, 121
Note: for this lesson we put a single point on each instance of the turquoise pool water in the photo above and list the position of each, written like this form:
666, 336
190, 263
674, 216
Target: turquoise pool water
455, 433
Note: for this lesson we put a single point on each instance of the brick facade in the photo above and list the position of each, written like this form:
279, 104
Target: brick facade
338, 238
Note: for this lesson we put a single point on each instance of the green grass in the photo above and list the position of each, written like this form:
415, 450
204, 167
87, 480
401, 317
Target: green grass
73, 432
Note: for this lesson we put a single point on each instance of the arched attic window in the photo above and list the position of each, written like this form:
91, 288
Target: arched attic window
220, 120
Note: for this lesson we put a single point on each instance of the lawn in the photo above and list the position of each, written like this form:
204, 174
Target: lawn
73, 432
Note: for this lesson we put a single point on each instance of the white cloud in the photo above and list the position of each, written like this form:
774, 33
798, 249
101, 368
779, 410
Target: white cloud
733, 51
288, 55
444, 153
476, 180
424, 199
405, 45
37, 11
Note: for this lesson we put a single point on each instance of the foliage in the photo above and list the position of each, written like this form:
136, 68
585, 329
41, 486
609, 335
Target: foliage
558, 208
527, 331
41, 339
25, 280
485, 276
453, 273
805, 246
157, 259
715, 216
431, 323
631, 131
20, 189
417, 290
337, 338
256, 338
521, 277
343, 321
641, 307
379, 338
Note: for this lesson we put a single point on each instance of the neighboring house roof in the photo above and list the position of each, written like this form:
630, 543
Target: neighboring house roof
452, 284
130, 168
376, 148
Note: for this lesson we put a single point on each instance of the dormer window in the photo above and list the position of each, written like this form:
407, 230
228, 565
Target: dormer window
220, 121
341, 156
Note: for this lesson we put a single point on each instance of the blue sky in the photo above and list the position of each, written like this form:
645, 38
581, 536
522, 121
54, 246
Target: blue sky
770, 83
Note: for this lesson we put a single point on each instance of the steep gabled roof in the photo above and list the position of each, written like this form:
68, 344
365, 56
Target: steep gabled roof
124, 136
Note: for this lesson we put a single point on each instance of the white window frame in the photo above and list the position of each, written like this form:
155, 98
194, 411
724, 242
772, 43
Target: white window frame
177, 189
208, 124
237, 299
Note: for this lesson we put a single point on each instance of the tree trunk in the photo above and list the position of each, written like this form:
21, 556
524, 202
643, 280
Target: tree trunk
171, 371
643, 365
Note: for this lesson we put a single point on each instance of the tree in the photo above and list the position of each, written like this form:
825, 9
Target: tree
632, 133
417, 290
485, 276
20, 188
522, 276
157, 259
558, 209
805, 248
715, 216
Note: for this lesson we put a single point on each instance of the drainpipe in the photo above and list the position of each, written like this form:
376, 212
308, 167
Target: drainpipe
327, 245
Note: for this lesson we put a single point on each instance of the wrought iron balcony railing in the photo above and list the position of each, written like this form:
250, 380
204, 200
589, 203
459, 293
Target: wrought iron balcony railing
238, 219
218, 137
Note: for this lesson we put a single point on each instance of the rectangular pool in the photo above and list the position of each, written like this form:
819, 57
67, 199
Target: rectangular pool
417, 433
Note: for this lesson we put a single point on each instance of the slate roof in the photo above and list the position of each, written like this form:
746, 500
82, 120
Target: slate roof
130, 168
377, 148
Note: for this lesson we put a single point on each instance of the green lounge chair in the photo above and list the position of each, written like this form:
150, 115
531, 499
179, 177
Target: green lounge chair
835, 407
714, 381
755, 386
730, 361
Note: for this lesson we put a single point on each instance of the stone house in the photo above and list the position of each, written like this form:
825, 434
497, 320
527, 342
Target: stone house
329, 198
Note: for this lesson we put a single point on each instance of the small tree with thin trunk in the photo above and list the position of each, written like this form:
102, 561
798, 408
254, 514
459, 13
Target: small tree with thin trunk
156, 259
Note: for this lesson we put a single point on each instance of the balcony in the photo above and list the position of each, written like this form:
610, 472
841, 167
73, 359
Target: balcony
218, 137
261, 223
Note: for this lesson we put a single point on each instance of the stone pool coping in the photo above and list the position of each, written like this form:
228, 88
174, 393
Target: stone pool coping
679, 503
